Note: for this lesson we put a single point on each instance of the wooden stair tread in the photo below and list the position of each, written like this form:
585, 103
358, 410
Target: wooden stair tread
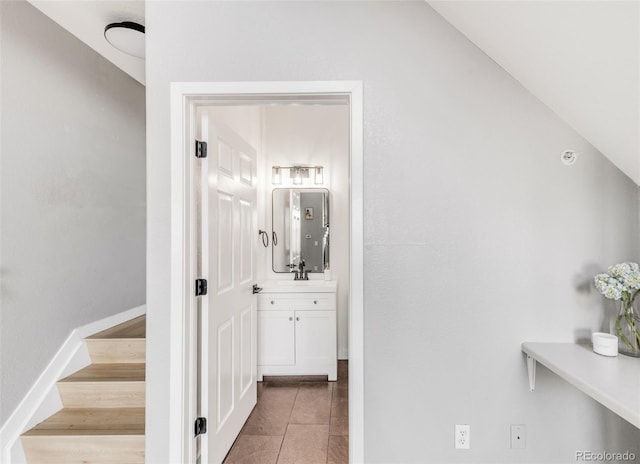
133, 372
103, 415
80, 422
135, 328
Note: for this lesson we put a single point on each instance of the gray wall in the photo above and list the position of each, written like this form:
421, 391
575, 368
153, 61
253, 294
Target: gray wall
476, 236
73, 193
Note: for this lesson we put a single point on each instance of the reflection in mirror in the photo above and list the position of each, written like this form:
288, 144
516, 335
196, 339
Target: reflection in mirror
300, 229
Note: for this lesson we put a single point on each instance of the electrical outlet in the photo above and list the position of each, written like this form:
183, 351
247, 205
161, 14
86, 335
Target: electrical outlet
518, 436
462, 436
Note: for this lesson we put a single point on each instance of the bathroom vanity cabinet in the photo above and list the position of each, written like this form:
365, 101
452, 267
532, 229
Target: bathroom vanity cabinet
297, 329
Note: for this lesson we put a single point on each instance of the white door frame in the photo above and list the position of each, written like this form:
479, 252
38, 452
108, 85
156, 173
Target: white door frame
182, 336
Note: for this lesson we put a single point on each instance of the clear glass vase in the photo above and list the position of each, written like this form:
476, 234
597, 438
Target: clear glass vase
627, 329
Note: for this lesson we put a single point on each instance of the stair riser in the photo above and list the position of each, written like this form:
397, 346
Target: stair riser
84, 449
102, 394
113, 351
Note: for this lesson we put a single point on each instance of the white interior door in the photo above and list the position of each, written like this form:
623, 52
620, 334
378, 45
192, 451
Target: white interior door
229, 234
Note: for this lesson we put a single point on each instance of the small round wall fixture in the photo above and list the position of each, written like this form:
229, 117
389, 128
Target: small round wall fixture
127, 36
569, 157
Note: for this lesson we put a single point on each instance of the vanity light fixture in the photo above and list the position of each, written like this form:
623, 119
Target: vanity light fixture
127, 36
297, 174
276, 178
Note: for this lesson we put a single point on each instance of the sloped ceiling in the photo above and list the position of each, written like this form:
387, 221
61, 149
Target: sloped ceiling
86, 20
580, 58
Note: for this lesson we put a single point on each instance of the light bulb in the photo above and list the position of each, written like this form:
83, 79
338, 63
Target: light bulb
275, 175
297, 176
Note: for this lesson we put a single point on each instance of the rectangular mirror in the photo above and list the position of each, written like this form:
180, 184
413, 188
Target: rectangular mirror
300, 229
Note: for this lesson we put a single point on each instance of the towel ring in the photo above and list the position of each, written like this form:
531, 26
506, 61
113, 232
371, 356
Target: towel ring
265, 237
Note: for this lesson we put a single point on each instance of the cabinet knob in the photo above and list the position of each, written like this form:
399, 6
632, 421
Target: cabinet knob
297, 318
315, 301
273, 302
291, 318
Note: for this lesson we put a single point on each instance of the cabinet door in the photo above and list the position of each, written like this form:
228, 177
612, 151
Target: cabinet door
315, 337
276, 337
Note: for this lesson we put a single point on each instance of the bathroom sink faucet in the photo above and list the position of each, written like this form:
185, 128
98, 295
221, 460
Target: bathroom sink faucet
301, 274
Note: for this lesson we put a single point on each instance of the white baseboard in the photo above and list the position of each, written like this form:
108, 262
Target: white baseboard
42, 400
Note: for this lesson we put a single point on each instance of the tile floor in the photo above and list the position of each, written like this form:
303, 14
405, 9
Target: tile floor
297, 421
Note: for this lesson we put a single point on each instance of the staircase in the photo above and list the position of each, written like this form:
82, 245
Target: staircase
102, 420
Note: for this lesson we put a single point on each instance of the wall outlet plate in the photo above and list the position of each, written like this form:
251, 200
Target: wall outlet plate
462, 436
518, 436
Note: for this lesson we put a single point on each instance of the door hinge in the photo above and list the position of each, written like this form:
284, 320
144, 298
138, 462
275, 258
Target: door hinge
201, 149
201, 287
201, 426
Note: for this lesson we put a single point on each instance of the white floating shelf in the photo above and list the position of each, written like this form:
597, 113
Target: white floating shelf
612, 381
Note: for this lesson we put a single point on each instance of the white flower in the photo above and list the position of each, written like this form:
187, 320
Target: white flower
609, 286
627, 273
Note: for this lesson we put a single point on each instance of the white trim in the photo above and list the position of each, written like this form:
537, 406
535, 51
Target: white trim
356, 279
43, 399
183, 97
178, 405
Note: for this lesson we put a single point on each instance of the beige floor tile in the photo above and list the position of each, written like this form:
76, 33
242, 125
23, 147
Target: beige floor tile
338, 452
252, 449
305, 444
271, 414
312, 415
339, 426
277, 395
340, 402
313, 404
265, 421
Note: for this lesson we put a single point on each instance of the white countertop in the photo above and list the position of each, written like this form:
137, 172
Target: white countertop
299, 286
612, 381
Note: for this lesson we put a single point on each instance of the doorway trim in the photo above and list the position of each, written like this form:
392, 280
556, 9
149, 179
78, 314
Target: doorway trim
182, 340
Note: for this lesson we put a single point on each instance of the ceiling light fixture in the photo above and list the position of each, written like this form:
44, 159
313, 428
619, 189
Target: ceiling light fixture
127, 36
